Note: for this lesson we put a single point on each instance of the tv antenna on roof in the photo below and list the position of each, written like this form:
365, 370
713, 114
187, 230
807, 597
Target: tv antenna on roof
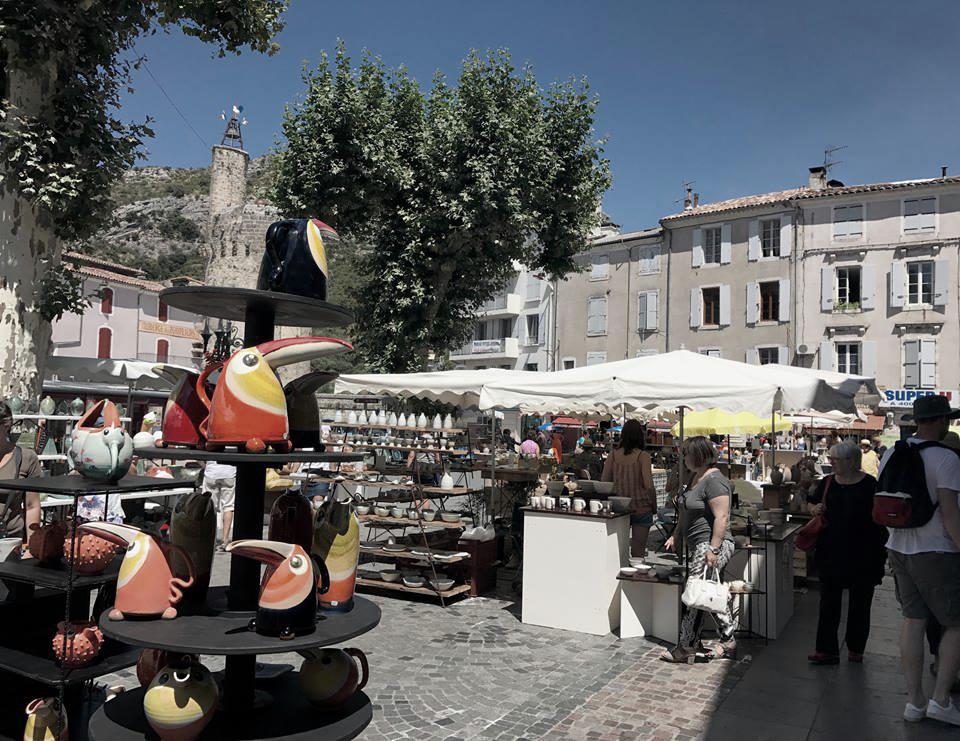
828, 154
687, 199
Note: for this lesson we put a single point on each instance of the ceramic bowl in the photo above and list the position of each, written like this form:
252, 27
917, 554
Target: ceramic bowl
450, 516
413, 514
585, 486
628, 570
619, 504
636, 561
394, 547
441, 584
414, 581
603, 487
643, 568
362, 509
390, 575
396, 512
381, 511
369, 574
555, 487
428, 514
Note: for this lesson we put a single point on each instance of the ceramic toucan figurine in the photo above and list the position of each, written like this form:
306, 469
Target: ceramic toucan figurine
249, 408
303, 412
295, 258
184, 412
146, 587
288, 595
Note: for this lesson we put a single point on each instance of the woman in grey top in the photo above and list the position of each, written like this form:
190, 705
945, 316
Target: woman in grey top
704, 512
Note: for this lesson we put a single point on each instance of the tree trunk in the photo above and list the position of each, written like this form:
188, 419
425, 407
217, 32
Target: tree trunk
27, 240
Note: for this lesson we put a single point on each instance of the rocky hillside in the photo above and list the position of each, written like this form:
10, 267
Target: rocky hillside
160, 221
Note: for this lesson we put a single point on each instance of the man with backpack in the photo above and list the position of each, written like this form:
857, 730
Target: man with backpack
918, 499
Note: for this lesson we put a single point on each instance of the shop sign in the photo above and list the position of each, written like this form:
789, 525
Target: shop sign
486, 346
172, 330
903, 398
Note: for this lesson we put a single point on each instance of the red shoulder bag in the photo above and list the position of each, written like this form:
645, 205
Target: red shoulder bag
809, 534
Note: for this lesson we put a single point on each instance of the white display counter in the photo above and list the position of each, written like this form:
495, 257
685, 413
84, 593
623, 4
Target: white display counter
570, 567
651, 608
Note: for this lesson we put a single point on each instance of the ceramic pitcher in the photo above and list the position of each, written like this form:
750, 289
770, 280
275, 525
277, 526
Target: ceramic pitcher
193, 527
336, 541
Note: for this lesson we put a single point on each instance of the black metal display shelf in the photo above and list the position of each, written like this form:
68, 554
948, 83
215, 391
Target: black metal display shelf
78, 486
55, 576
227, 456
226, 633
47, 670
233, 303
290, 716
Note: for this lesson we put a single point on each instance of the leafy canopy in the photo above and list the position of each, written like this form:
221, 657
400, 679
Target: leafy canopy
447, 189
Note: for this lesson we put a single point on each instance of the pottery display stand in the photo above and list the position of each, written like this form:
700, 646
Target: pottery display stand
277, 708
17, 657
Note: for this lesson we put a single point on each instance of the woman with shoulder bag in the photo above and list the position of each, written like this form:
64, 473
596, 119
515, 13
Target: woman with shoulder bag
850, 554
704, 517
629, 466
16, 463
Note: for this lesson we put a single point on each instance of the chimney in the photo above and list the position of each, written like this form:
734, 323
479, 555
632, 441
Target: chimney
696, 200
687, 201
943, 171
818, 178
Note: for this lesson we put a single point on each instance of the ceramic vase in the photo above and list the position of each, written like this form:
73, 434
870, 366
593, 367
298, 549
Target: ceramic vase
46, 542
181, 701
338, 416
295, 258
93, 554
448, 422
336, 541
382, 417
15, 403
362, 417
392, 419
352, 418
330, 676
143, 440
105, 455
43, 717
422, 421
291, 520
77, 644
437, 422
48, 406
193, 527
77, 407
402, 420
446, 482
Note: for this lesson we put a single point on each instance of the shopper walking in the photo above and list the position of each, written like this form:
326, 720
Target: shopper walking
850, 554
869, 460
926, 563
220, 481
704, 517
629, 467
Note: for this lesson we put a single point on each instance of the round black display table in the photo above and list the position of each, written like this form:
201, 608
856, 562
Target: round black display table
226, 456
235, 303
289, 717
226, 633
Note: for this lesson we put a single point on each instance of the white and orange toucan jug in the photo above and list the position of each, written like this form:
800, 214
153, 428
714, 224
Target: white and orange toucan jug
249, 408
295, 258
146, 586
288, 594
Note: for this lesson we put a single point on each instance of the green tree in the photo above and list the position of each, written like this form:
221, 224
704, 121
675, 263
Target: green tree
447, 189
63, 66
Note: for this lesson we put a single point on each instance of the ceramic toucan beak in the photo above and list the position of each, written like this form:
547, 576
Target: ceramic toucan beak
121, 535
299, 349
270, 552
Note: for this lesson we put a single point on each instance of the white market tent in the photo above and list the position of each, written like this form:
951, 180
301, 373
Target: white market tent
459, 387
847, 384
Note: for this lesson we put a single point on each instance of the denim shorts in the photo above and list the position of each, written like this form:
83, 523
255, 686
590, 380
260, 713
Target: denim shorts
644, 518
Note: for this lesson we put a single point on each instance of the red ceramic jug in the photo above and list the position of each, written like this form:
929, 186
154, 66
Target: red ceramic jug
184, 411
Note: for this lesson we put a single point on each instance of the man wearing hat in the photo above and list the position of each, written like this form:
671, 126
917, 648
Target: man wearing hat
926, 566
587, 463
869, 462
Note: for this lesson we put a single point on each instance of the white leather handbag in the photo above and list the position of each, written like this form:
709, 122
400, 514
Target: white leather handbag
707, 594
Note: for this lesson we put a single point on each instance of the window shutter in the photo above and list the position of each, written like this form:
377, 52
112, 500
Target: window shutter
855, 223
726, 243
786, 235
724, 306
642, 311
941, 289
753, 356
542, 327
753, 302
898, 283
928, 363
784, 307
104, 343
695, 307
868, 359
697, 248
928, 214
826, 288
911, 363
603, 315
783, 355
753, 243
653, 309
868, 287
826, 355
839, 225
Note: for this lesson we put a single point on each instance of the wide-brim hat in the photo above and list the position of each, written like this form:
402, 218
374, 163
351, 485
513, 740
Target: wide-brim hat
932, 406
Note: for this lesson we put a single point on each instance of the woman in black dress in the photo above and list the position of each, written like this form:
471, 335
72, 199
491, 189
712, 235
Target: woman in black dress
850, 554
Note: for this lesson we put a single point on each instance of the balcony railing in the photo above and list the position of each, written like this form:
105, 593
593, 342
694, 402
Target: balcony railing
505, 303
503, 347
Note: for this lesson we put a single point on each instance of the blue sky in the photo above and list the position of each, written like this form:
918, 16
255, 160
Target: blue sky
740, 97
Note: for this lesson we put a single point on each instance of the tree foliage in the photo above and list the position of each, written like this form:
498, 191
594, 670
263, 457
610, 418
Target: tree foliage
446, 188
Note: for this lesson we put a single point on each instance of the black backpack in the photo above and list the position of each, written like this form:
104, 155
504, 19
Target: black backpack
902, 499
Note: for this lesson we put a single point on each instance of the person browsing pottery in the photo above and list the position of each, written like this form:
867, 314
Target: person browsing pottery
629, 467
17, 512
704, 517
529, 447
850, 553
869, 460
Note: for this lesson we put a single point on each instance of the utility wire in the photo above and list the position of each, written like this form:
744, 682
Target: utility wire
170, 100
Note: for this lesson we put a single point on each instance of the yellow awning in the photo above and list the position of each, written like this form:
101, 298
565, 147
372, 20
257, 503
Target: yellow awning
718, 422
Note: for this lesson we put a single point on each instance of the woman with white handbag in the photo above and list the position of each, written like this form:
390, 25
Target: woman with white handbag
703, 510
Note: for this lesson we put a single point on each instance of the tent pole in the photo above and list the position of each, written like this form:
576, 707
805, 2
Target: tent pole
773, 438
493, 459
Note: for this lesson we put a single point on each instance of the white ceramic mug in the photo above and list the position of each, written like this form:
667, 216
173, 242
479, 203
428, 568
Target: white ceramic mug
536, 502
549, 503
579, 504
595, 505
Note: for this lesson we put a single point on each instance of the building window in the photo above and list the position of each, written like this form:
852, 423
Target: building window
596, 358
848, 288
506, 328
770, 301
711, 245
768, 355
711, 306
533, 288
163, 351
161, 310
848, 357
600, 268
919, 215
531, 367
106, 300
649, 261
533, 329
569, 363
919, 283
596, 316
770, 237
710, 352
104, 343
920, 364
848, 221
648, 310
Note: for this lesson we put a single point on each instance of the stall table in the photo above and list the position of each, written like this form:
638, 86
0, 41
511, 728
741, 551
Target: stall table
651, 606
570, 564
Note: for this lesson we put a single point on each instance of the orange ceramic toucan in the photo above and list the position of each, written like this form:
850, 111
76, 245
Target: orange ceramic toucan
249, 409
184, 411
288, 596
146, 587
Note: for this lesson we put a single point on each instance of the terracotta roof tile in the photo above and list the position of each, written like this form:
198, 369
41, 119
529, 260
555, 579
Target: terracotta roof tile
109, 275
96, 261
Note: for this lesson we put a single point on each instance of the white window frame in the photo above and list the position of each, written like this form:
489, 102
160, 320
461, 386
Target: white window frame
933, 284
845, 236
908, 230
599, 267
606, 305
837, 355
653, 258
568, 359
598, 357
765, 348
777, 231
703, 307
760, 319
836, 287
712, 352
533, 339
719, 246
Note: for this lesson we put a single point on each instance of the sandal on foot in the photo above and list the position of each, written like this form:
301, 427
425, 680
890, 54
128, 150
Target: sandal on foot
822, 658
679, 655
726, 650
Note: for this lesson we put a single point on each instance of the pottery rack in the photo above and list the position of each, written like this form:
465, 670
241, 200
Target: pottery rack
276, 708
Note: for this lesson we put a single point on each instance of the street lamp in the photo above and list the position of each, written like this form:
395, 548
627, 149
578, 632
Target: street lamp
203, 329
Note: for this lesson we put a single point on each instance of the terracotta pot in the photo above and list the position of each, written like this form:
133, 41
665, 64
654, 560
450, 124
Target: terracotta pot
181, 701
94, 554
43, 715
46, 542
77, 644
330, 676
